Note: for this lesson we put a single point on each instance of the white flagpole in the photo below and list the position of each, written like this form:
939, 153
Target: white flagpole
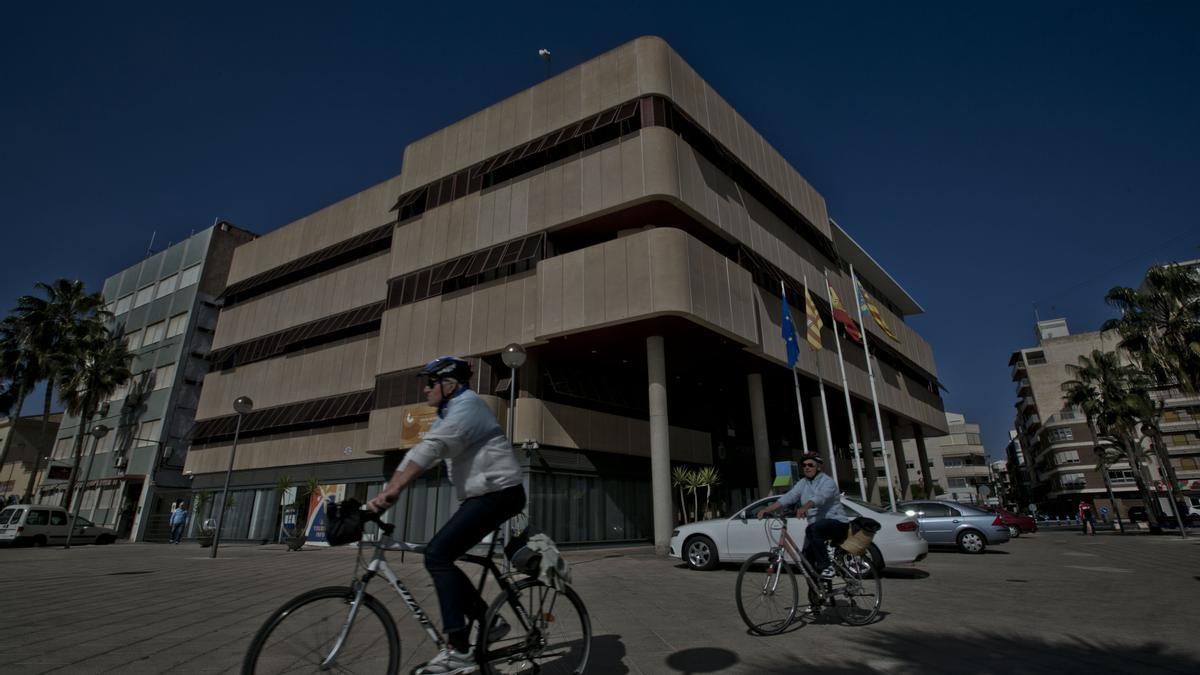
887, 465
821, 388
795, 377
862, 485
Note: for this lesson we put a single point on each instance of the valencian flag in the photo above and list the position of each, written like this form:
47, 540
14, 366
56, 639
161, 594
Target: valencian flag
789, 334
813, 320
866, 301
843, 317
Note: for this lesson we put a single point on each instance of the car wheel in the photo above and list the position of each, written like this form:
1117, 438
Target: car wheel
1014, 531
971, 541
701, 553
39, 541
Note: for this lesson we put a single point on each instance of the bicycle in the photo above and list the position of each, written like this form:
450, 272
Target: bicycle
330, 628
769, 603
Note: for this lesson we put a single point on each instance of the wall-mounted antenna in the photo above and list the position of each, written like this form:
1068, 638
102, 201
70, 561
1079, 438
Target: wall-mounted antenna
150, 248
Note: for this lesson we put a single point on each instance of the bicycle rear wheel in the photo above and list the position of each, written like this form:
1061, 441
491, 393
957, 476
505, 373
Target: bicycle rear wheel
857, 591
557, 638
767, 599
300, 636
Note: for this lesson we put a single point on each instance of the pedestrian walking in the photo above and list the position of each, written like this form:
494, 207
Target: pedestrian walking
1087, 517
179, 517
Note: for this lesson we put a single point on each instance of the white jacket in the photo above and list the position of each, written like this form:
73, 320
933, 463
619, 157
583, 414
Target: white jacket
467, 436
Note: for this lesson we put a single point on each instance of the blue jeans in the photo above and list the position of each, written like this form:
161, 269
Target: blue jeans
476, 517
816, 535
176, 533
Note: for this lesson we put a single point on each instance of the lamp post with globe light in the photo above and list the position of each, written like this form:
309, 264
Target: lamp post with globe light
242, 405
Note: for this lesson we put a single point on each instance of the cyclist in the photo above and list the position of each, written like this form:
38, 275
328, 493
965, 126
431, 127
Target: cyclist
821, 503
488, 481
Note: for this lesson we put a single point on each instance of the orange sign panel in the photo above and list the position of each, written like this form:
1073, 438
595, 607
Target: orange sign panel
417, 420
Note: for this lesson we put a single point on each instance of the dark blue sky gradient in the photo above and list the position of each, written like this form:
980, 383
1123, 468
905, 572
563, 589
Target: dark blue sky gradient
990, 156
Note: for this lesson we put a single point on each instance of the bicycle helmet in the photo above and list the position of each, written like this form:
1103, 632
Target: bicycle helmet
814, 457
449, 366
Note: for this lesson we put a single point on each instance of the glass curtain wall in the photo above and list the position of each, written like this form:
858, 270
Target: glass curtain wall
584, 509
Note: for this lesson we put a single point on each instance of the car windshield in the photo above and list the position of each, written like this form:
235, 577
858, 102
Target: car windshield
6, 514
80, 520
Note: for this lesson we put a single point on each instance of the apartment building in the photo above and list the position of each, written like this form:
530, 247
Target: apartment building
630, 231
27, 458
1059, 448
165, 307
956, 463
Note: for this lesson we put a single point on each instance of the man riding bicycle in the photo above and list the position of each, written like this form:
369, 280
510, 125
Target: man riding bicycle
821, 503
488, 481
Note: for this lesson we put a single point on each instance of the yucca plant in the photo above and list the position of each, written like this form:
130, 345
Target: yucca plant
681, 478
708, 478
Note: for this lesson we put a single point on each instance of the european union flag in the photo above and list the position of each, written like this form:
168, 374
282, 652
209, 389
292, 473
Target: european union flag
789, 335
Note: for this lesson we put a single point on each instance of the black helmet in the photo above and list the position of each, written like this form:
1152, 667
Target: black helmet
449, 366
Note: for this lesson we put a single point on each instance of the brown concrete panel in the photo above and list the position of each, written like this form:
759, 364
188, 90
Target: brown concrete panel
554, 195
637, 255
593, 285
610, 172
572, 290
616, 280
536, 216
518, 217
572, 97
494, 295
669, 284
550, 295
661, 170
529, 308
501, 226
696, 273
572, 190
653, 57
523, 116
591, 171
513, 302
631, 169
590, 95
463, 311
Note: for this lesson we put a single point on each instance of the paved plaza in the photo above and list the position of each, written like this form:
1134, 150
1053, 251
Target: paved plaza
1054, 602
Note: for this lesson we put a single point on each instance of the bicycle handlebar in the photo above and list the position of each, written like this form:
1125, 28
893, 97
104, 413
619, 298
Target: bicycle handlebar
372, 517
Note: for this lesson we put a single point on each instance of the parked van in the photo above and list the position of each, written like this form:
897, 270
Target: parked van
44, 525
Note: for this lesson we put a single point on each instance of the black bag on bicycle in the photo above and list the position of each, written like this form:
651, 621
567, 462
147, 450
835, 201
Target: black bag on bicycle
343, 522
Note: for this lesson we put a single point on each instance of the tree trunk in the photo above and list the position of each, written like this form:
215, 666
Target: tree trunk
37, 458
1103, 465
1165, 460
1131, 455
77, 457
12, 429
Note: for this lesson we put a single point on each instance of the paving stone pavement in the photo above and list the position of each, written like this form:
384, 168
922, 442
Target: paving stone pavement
1054, 602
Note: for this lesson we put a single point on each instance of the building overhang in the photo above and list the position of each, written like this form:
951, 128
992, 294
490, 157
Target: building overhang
866, 267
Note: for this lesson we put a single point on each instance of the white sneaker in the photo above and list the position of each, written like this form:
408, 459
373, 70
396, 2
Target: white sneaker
448, 662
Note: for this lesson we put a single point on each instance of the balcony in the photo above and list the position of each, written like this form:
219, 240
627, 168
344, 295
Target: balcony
1018, 371
1031, 422
1026, 402
1024, 388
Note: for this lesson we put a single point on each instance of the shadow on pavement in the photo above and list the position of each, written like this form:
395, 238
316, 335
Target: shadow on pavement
904, 573
607, 655
946, 652
702, 660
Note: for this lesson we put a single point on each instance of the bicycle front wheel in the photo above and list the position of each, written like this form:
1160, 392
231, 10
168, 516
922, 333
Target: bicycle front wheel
857, 591
554, 636
767, 598
308, 634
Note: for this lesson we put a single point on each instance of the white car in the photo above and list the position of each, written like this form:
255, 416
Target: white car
40, 525
705, 544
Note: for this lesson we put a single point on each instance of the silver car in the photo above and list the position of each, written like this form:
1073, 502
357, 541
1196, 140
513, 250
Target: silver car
943, 523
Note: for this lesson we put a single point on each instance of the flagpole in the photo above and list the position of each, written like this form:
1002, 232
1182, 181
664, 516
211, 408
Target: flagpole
796, 379
887, 465
821, 388
862, 485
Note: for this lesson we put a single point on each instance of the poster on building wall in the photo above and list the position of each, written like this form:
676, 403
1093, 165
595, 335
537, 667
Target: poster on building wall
417, 420
314, 532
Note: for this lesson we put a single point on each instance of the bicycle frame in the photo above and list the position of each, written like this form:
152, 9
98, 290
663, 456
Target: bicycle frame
789, 546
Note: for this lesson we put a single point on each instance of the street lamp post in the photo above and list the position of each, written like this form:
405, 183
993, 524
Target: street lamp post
241, 406
99, 431
513, 357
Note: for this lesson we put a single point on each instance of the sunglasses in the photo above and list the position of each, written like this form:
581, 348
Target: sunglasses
809, 465
433, 382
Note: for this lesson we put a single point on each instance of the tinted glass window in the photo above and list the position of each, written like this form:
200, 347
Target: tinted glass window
37, 517
58, 518
752, 510
83, 522
6, 514
932, 510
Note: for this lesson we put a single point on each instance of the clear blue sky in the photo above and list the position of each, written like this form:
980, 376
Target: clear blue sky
989, 155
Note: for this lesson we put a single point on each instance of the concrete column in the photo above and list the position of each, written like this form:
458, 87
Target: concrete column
660, 446
758, 423
923, 459
898, 453
866, 436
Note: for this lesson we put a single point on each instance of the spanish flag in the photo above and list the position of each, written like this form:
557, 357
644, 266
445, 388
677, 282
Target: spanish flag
813, 320
843, 317
866, 301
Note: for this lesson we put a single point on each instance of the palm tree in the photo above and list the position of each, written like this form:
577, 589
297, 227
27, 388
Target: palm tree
54, 327
1148, 414
1083, 395
89, 374
18, 370
1108, 383
1160, 325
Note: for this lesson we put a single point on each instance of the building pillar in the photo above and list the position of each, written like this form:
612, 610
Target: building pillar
898, 453
660, 446
758, 424
923, 460
866, 431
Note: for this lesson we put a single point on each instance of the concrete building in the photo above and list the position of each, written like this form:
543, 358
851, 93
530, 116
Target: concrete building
957, 462
165, 306
630, 230
27, 459
1054, 435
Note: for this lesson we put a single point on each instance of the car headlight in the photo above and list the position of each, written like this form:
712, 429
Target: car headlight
674, 533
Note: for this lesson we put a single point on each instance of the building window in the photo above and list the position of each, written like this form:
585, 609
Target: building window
123, 304
144, 295
956, 482
154, 333
63, 448
1067, 457
1035, 358
148, 433
164, 376
166, 286
120, 392
880, 473
133, 340
1072, 481
1120, 476
1060, 435
189, 276
176, 325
